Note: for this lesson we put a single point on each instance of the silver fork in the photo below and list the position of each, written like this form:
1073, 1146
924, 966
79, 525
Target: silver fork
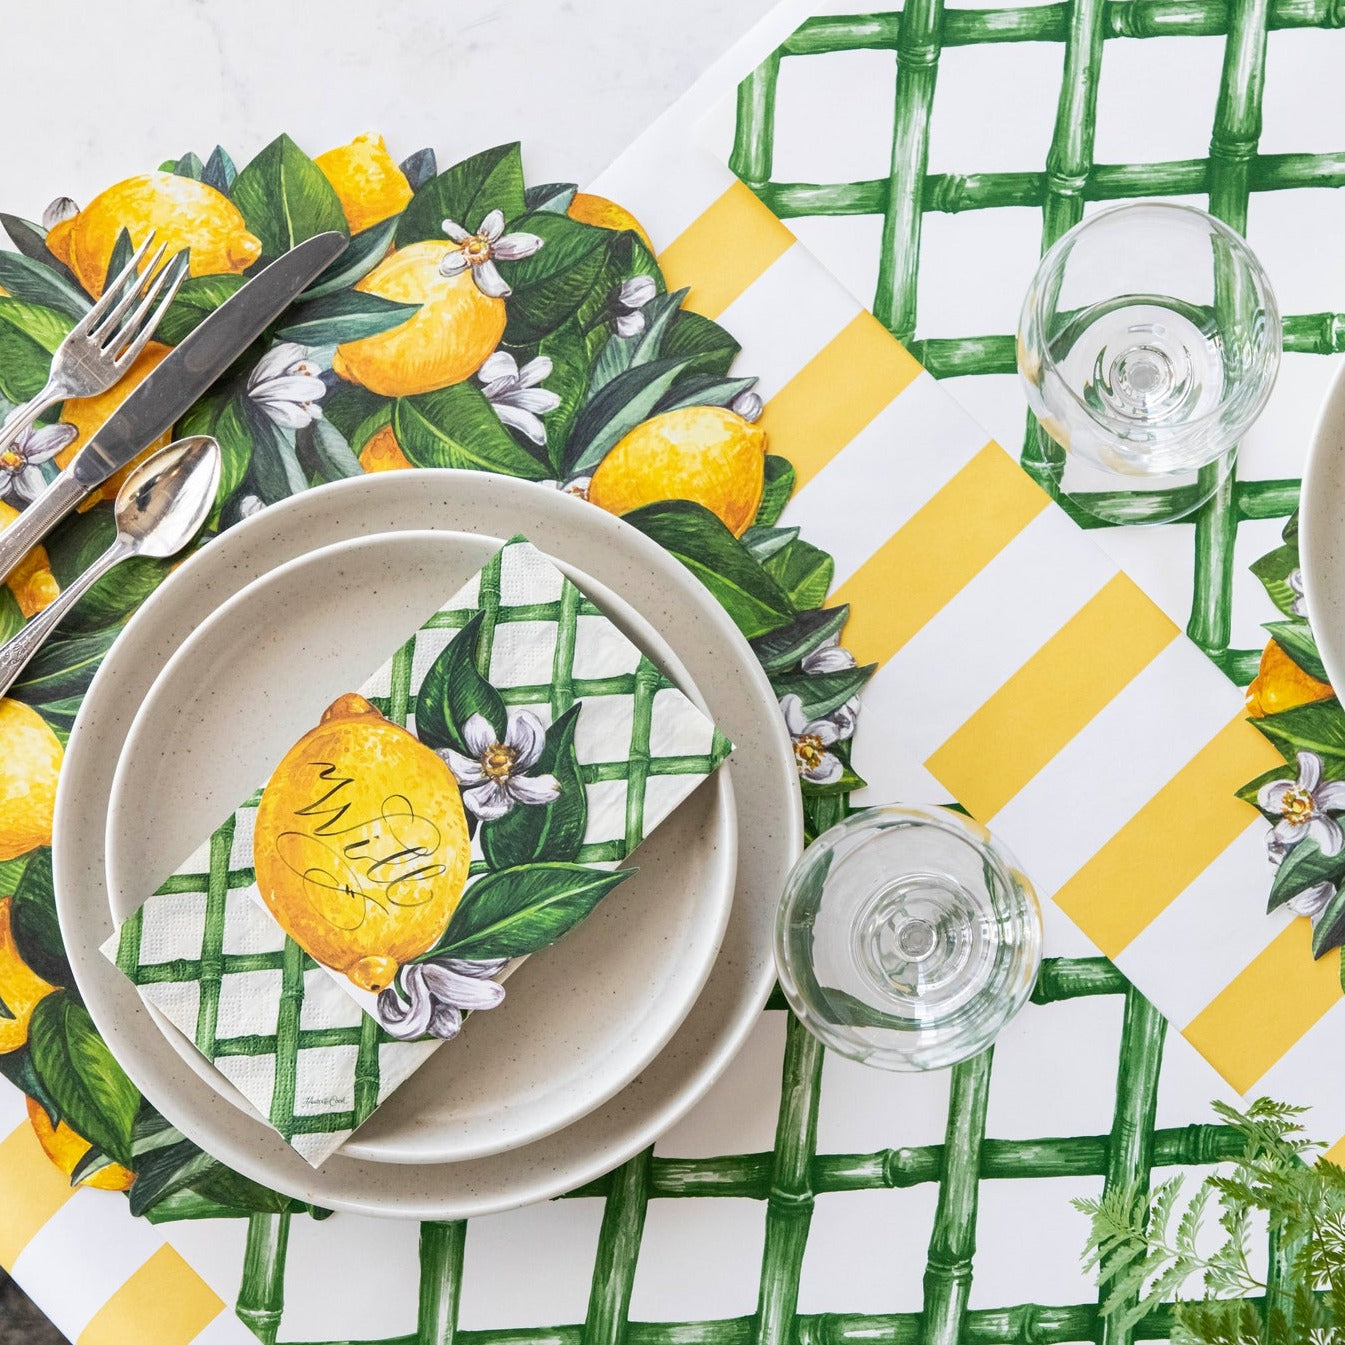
104, 343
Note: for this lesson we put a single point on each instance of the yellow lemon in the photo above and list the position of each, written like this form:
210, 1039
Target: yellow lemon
30, 761
382, 452
31, 580
703, 453
182, 213
1280, 684
65, 1148
21, 988
361, 847
366, 179
448, 340
89, 414
590, 209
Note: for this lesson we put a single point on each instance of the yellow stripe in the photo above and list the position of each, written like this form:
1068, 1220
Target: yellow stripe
1270, 1005
32, 1189
1336, 1153
1170, 842
725, 249
836, 394
1082, 667
945, 545
164, 1303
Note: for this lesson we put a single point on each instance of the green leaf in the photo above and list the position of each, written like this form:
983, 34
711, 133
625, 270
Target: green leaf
38, 284
122, 252
1273, 570
466, 194
763, 543
189, 165
17, 1067
803, 571
821, 693
555, 197
284, 198
364, 251
37, 931
810, 630
6, 1013
31, 240
348, 406
74, 546
334, 455
514, 912
549, 831
616, 409
779, 487
659, 314
219, 171
705, 390
1328, 930
11, 614
89, 1088
227, 420
1303, 867
419, 168
710, 551
198, 297
1296, 639
549, 286
707, 347
1318, 727
454, 690
60, 673
347, 315
276, 470
458, 427
568, 351
28, 336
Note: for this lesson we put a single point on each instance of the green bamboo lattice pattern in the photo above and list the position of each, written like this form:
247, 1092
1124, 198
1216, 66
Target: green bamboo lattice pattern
788, 1180
916, 35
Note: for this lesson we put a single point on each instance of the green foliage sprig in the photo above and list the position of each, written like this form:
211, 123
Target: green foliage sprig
1199, 1262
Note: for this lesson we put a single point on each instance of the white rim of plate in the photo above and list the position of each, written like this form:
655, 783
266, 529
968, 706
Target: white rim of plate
1326, 461
515, 1126
767, 793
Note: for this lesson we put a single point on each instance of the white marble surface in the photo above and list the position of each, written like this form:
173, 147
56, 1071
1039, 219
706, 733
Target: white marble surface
576, 81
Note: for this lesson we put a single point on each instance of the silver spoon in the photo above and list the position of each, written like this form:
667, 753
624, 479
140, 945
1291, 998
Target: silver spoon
159, 509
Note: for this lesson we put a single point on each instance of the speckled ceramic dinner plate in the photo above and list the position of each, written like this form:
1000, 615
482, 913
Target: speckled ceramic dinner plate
580, 1021
718, 662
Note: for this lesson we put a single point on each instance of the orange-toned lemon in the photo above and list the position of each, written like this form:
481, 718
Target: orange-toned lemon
31, 580
366, 179
361, 847
30, 761
65, 1148
89, 414
1280, 684
182, 214
21, 988
590, 209
703, 453
382, 452
448, 340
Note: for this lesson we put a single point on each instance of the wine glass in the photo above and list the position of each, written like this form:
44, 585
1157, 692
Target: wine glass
1148, 344
907, 937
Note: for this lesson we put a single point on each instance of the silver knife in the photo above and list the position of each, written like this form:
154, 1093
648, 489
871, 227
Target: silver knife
171, 389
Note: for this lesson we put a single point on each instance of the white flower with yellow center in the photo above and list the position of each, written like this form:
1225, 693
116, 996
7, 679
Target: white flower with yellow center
494, 777
812, 738
514, 395
430, 997
21, 480
287, 386
1304, 806
480, 251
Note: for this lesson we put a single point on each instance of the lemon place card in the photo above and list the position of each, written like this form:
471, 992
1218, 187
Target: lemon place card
345, 920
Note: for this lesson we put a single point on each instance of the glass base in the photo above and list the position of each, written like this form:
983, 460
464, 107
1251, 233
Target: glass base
1095, 495
907, 937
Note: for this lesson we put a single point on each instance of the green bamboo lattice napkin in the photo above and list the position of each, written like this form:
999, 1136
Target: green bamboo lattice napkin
464, 809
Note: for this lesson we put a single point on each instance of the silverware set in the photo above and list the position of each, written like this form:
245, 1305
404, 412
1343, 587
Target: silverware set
164, 502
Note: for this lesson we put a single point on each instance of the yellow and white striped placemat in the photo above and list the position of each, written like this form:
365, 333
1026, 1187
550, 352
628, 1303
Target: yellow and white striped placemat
1021, 672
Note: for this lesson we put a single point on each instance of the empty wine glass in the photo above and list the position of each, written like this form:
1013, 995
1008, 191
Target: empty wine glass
907, 937
1148, 344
